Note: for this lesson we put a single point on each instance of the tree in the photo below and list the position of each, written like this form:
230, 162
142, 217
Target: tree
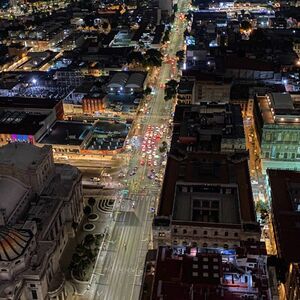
91, 201
180, 55
147, 90
172, 84
105, 25
168, 97
166, 37
172, 18
245, 27
89, 240
186, 33
153, 58
189, 16
170, 89
135, 57
175, 8
87, 210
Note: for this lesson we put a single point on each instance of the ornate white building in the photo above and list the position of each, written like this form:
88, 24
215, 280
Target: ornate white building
39, 203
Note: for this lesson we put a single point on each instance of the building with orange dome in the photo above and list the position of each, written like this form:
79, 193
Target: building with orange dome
40, 203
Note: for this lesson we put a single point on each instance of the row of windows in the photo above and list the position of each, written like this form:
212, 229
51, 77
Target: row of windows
283, 155
204, 245
216, 233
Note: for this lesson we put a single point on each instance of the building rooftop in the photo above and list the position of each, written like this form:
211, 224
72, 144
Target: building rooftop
177, 276
206, 127
207, 174
13, 243
285, 190
22, 155
12, 191
278, 108
282, 101
193, 273
20, 123
23, 102
66, 133
108, 136
224, 208
127, 80
185, 86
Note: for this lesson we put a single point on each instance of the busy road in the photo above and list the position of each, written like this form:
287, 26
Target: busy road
119, 269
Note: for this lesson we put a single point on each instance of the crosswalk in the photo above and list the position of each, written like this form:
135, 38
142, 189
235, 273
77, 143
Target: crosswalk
105, 205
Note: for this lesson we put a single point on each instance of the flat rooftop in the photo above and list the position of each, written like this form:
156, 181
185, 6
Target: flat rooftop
208, 174
66, 133
22, 155
108, 136
285, 204
279, 108
282, 101
205, 126
204, 204
20, 123
177, 275
23, 102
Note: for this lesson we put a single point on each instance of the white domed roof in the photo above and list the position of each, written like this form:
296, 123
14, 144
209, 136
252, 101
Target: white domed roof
12, 191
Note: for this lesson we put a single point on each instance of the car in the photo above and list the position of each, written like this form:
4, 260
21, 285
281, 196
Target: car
132, 173
95, 179
150, 176
142, 162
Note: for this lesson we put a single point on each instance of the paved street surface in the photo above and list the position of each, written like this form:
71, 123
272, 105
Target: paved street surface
119, 268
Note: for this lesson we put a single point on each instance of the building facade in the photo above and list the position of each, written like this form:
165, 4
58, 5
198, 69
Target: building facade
38, 213
277, 121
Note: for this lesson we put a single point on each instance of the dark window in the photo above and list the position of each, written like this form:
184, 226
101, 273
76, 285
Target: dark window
215, 204
216, 232
236, 234
205, 232
184, 231
34, 294
205, 203
175, 230
226, 233
194, 231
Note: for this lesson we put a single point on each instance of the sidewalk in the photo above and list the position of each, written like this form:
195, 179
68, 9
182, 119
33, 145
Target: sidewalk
101, 224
